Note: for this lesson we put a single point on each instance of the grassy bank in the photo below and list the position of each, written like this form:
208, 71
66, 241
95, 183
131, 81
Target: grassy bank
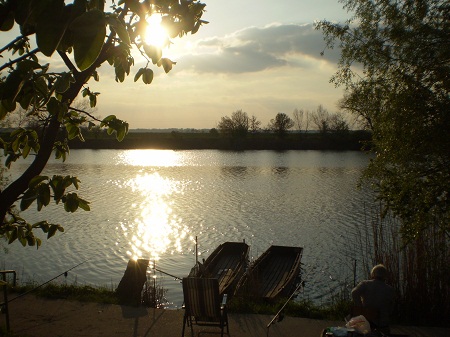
75, 292
107, 295
336, 309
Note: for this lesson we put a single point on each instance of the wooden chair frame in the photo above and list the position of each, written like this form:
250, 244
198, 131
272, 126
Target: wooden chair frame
203, 304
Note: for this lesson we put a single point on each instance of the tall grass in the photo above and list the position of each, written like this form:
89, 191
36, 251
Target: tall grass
419, 269
82, 293
154, 294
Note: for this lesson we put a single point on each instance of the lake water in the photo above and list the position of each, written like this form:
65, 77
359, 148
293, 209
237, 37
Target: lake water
153, 203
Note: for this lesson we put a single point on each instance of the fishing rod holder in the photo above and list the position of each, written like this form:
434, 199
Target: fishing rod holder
4, 272
4, 284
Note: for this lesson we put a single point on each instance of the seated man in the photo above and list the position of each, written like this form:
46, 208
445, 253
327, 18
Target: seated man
376, 295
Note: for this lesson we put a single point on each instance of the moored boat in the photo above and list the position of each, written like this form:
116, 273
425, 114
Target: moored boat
273, 275
227, 263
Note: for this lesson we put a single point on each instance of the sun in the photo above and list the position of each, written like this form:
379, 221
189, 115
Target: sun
155, 34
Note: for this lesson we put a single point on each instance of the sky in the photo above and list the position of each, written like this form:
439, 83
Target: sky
259, 56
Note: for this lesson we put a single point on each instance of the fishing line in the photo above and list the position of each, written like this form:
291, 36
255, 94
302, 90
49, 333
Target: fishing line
37, 287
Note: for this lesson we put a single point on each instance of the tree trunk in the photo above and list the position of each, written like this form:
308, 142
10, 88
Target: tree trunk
12, 192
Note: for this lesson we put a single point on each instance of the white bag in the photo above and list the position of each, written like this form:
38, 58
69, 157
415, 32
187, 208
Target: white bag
360, 324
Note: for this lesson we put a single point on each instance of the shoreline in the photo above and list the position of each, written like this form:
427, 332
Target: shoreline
351, 141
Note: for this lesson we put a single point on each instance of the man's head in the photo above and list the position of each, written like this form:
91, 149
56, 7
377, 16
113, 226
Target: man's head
379, 272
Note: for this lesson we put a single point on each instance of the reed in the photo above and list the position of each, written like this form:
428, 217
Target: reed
154, 294
419, 269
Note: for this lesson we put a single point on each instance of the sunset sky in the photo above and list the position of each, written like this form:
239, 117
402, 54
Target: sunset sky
261, 56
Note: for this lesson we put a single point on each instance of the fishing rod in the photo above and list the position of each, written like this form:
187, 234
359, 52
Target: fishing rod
278, 317
37, 287
175, 277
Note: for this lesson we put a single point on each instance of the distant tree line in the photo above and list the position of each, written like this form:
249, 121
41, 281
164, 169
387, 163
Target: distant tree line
240, 123
179, 140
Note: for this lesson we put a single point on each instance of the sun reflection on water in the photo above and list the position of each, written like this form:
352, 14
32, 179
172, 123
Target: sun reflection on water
155, 228
150, 158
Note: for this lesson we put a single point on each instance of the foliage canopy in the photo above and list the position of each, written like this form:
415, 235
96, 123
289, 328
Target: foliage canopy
280, 124
327, 122
395, 66
83, 35
238, 124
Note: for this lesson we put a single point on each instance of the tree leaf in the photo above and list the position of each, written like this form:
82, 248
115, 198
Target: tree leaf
15, 144
89, 31
72, 130
13, 84
99, 4
12, 235
51, 26
53, 106
166, 63
43, 194
3, 111
135, 6
173, 28
62, 84
36, 181
58, 188
121, 133
120, 73
27, 65
72, 180
120, 28
147, 78
23, 240
21, 236
6, 18
52, 230
83, 204
41, 86
27, 199
92, 100
31, 240
109, 118
6, 106
26, 150
139, 74
25, 100
95, 76
71, 202
153, 52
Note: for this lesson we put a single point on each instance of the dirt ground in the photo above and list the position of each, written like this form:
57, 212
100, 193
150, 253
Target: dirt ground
36, 317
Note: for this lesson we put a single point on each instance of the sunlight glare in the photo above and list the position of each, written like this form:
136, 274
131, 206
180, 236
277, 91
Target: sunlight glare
150, 158
155, 228
155, 34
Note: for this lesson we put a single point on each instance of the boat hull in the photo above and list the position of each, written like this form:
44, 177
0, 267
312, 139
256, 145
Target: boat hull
273, 275
227, 263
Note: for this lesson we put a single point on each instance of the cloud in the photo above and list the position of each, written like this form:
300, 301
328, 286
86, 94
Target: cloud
255, 49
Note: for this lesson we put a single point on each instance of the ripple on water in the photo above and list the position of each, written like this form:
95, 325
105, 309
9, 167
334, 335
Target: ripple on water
298, 198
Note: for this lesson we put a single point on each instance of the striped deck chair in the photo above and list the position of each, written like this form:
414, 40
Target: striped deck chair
203, 304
